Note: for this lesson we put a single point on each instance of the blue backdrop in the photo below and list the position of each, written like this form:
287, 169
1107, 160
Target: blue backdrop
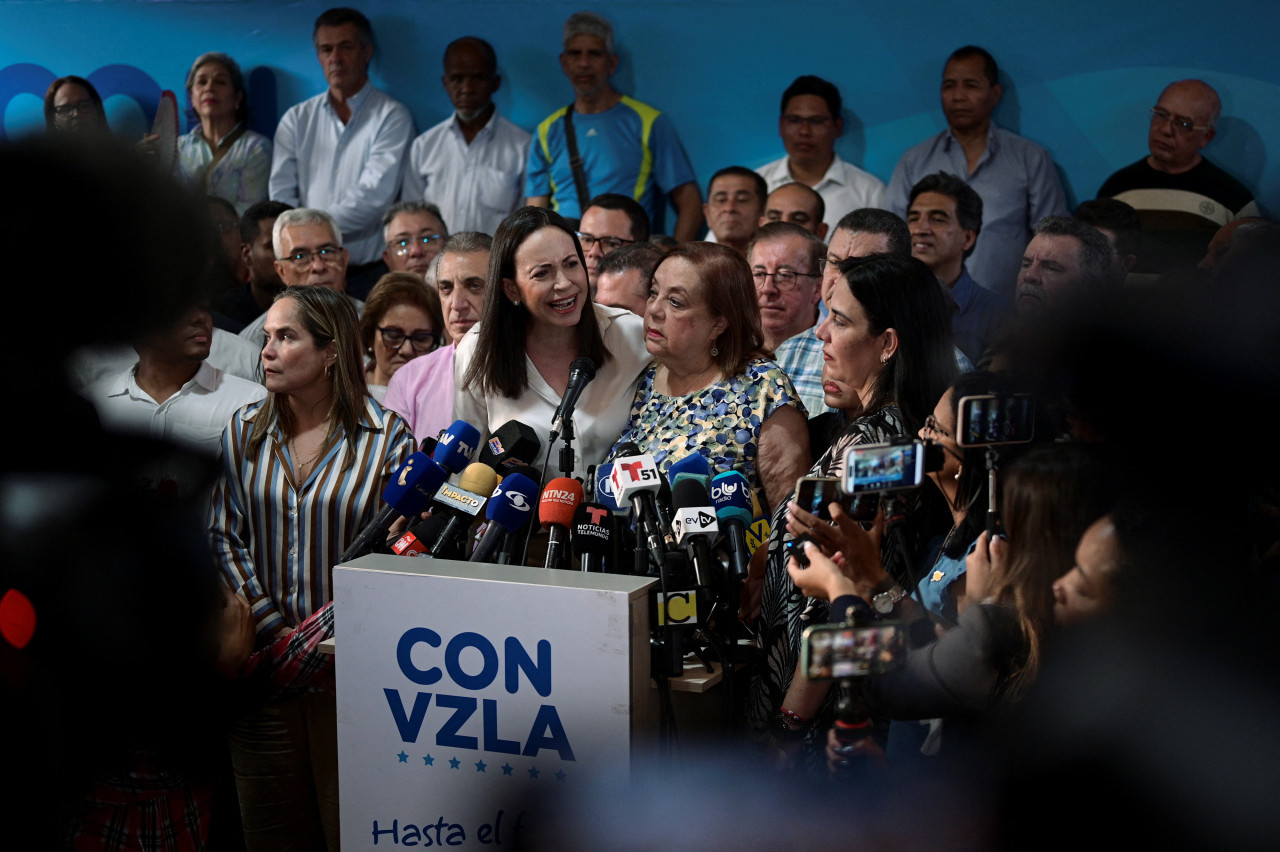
1078, 78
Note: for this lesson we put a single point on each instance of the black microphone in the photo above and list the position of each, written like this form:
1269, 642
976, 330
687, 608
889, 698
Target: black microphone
512, 447
635, 479
590, 535
581, 372
695, 526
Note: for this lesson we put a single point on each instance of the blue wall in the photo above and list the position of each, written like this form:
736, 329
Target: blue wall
1078, 78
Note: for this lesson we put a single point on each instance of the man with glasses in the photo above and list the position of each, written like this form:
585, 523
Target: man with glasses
786, 265
810, 123
309, 253
414, 233
342, 150
1016, 178
609, 223
735, 205
1177, 180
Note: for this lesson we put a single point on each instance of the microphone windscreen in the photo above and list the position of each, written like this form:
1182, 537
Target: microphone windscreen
512, 505
457, 446
512, 444
590, 530
696, 463
478, 479
559, 500
627, 449
688, 493
729, 494
585, 365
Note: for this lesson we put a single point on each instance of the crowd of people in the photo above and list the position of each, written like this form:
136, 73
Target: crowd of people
365, 288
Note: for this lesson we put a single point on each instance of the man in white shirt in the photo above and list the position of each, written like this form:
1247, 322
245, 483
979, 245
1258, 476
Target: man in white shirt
810, 123
169, 392
471, 165
342, 150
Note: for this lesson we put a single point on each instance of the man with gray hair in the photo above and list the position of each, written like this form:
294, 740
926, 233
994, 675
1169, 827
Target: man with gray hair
309, 253
1066, 260
605, 141
342, 150
422, 390
414, 233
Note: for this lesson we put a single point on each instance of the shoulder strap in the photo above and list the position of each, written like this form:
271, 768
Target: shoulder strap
575, 162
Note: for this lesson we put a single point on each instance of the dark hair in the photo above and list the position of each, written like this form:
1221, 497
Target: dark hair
227, 206
642, 256
635, 213
340, 15
399, 288
1093, 256
257, 213
728, 292
815, 196
903, 294
237, 85
1051, 495
329, 317
50, 117
490, 55
968, 201
762, 188
811, 85
815, 247
873, 220
1117, 217
989, 68
499, 363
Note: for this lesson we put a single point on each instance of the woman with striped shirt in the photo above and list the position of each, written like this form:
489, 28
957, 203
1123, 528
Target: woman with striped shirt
302, 474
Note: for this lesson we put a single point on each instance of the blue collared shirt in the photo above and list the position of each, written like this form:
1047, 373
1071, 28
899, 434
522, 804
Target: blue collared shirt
1018, 184
978, 311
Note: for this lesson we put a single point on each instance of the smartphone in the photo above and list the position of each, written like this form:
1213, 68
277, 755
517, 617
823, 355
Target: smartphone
838, 650
993, 419
815, 493
794, 549
884, 467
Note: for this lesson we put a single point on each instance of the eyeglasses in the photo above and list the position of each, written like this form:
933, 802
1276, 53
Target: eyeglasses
1160, 116
607, 243
814, 122
301, 259
931, 424
785, 279
421, 341
401, 247
68, 110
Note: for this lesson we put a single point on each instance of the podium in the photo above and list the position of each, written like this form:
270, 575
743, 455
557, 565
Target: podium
467, 691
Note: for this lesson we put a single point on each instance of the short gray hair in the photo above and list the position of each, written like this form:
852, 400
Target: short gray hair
467, 242
1094, 255
410, 207
303, 216
589, 23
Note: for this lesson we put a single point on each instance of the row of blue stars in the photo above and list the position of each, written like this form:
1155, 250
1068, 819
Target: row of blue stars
481, 766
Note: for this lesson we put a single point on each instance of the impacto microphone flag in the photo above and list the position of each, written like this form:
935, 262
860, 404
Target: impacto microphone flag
509, 509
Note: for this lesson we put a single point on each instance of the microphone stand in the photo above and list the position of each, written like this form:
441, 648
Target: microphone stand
566, 452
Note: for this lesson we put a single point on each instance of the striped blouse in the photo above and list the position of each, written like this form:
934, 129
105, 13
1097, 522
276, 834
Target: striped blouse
276, 542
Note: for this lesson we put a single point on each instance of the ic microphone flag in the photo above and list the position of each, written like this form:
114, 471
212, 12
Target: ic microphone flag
555, 512
457, 446
406, 494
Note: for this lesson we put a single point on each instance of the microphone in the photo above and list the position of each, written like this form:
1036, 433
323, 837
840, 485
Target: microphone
733, 510
605, 495
636, 480
406, 494
513, 447
555, 512
465, 500
695, 525
581, 372
457, 446
509, 508
590, 535
691, 465
416, 540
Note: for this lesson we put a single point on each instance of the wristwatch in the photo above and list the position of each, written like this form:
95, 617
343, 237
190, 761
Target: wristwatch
884, 602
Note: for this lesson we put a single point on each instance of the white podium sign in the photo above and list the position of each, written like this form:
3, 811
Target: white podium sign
465, 690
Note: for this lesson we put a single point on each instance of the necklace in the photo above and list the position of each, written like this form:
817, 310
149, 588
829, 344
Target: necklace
303, 465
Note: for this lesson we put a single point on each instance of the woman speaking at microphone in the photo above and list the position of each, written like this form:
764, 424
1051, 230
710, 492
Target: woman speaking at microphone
538, 317
302, 473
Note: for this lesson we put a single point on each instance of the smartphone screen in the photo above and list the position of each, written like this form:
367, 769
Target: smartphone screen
994, 419
838, 650
814, 493
883, 467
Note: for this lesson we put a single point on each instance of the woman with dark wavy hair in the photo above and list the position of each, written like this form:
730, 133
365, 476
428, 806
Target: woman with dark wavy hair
538, 317
73, 105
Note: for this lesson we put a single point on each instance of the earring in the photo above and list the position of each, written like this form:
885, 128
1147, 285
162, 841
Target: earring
884, 359
958, 472
515, 303
714, 351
